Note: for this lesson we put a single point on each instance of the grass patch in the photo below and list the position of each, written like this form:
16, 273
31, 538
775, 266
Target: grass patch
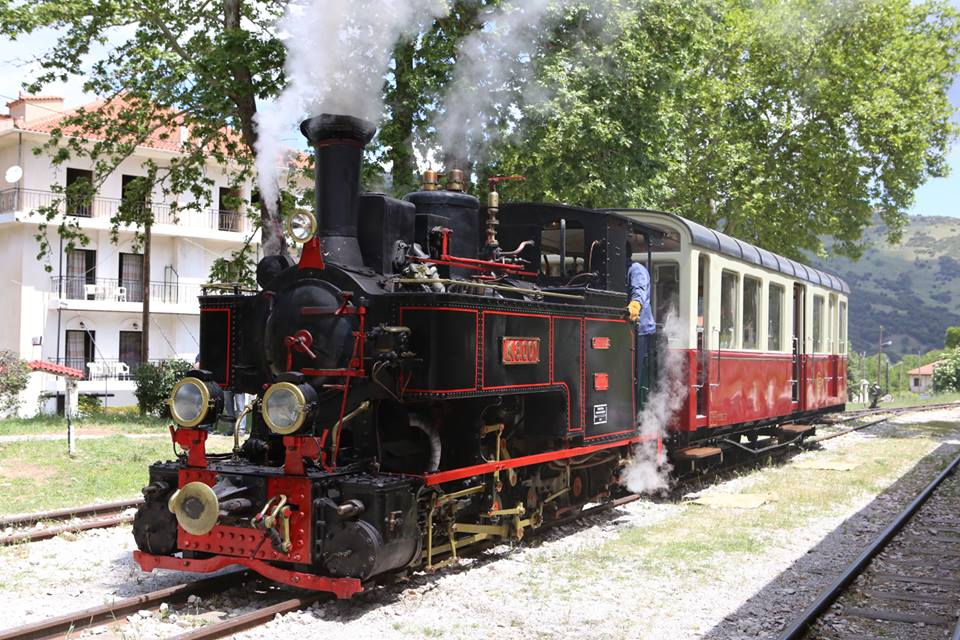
39, 475
910, 400
699, 539
119, 422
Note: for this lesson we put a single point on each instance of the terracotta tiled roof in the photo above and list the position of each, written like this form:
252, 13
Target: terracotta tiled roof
55, 369
925, 370
166, 137
31, 98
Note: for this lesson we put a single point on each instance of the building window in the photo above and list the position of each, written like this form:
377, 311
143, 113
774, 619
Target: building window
80, 349
133, 193
775, 318
229, 217
81, 275
729, 308
751, 312
916, 382
130, 344
818, 324
131, 276
79, 192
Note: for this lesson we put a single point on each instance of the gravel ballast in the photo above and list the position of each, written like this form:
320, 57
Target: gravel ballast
580, 579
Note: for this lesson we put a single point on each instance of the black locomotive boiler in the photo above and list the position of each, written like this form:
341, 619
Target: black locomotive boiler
430, 374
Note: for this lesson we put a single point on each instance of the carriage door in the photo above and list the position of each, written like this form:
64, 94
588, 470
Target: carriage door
703, 359
798, 343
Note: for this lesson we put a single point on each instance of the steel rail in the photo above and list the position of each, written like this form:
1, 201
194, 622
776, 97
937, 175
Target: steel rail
801, 625
251, 619
33, 535
96, 615
69, 512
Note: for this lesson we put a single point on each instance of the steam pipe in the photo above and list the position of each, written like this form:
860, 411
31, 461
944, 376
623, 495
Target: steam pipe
338, 142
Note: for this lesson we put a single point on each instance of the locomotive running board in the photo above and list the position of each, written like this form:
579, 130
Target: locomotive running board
342, 588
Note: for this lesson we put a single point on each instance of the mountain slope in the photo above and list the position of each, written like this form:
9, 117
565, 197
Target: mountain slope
912, 289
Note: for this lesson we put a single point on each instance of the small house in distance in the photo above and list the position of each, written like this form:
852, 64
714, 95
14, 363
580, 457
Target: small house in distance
921, 378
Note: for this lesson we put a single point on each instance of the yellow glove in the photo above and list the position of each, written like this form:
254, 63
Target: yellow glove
634, 310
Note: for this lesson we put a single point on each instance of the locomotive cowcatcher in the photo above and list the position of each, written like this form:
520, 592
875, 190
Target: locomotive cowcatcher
417, 387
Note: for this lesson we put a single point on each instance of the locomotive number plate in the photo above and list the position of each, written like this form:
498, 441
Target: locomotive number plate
520, 350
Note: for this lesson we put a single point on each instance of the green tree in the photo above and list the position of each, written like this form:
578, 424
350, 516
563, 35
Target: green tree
191, 65
14, 376
946, 376
778, 122
952, 338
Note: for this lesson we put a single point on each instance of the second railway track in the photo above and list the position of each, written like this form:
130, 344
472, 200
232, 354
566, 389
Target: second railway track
904, 584
24, 527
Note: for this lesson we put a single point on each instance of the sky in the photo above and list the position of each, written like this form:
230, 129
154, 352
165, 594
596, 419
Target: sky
939, 196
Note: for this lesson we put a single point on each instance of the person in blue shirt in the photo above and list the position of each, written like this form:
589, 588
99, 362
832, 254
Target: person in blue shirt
638, 293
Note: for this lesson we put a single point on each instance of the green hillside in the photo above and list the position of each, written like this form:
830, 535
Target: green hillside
912, 289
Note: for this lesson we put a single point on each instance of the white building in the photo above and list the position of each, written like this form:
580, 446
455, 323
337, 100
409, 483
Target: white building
86, 312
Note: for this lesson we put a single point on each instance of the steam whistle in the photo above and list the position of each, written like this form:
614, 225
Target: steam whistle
492, 245
198, 506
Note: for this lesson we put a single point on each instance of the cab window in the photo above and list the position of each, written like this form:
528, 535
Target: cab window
562, 244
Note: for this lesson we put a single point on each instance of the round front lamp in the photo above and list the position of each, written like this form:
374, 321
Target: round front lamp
285, 406
301, 226
194, 402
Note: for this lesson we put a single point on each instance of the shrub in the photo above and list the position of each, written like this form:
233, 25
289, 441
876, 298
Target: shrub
14, 376
88, 406
155, 382
952, 338
946, 375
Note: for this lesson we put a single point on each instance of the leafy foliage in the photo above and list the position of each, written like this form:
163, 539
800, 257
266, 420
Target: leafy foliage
952, 338
779, 121
187, 66
14, 376
155, 382
946, 376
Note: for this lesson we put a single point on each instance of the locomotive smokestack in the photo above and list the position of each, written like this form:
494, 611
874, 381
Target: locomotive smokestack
338, 142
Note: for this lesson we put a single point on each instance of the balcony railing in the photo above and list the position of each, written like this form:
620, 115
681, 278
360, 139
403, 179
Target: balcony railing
15, 199
104, 368
121, 290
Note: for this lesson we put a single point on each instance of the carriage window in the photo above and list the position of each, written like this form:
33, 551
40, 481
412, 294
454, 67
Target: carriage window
818, 324
751, 312
775, 318
831, 324
667, 292
729, 283
562, 253
843, 327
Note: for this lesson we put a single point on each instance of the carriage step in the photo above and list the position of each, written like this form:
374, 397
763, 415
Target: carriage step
698, 453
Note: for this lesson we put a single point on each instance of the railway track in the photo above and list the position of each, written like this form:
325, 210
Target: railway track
68, 625
904, 584
91, 516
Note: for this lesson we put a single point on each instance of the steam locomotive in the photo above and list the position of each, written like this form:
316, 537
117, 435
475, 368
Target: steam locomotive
430, 374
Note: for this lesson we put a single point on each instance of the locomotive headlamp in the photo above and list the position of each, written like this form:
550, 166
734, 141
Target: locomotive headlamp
194, 401
301, 226
285, 406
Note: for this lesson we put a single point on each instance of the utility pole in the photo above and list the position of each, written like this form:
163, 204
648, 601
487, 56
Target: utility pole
879, 353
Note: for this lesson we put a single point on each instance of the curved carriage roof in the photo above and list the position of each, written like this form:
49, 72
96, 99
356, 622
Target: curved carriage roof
719, 242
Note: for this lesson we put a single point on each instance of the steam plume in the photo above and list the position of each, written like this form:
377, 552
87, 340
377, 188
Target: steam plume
648, 471
338, 53
494, 80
